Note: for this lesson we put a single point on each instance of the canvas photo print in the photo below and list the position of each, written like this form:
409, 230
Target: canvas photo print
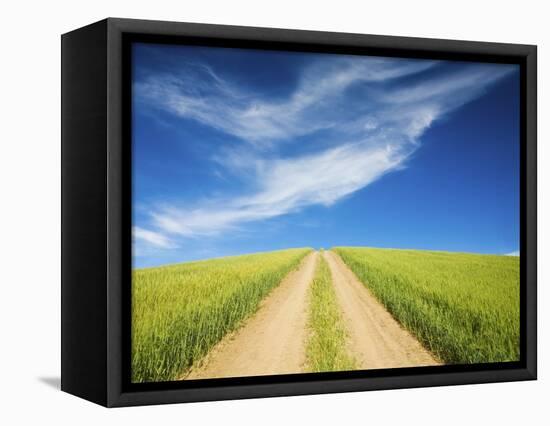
298, 212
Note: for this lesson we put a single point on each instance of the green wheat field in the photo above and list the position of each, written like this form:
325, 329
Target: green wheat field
464, 308
180, 311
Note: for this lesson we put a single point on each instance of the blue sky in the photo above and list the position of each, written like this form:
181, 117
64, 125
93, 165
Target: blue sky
238, 151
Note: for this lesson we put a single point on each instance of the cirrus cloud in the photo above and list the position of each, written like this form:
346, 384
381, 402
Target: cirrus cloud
356, 118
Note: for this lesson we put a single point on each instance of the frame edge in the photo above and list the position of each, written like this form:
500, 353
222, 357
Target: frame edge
83, 230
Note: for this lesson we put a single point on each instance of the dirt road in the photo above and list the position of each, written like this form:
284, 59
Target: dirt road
273, 340
376, 339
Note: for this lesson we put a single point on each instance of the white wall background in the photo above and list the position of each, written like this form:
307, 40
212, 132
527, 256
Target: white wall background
30, 211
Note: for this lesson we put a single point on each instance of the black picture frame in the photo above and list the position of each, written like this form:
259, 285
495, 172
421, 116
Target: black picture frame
96, 212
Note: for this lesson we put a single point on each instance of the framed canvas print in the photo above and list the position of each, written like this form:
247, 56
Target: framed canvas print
251, 212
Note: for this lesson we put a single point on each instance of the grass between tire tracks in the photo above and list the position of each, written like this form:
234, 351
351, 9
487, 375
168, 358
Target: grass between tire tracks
326, 346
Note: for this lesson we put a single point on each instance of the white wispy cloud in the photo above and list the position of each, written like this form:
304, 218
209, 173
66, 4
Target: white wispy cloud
286, 186
513, 253
357, 139
214, 102
153, 238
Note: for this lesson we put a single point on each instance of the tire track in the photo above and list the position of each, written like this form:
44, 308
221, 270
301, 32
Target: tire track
273, 340
376, 339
